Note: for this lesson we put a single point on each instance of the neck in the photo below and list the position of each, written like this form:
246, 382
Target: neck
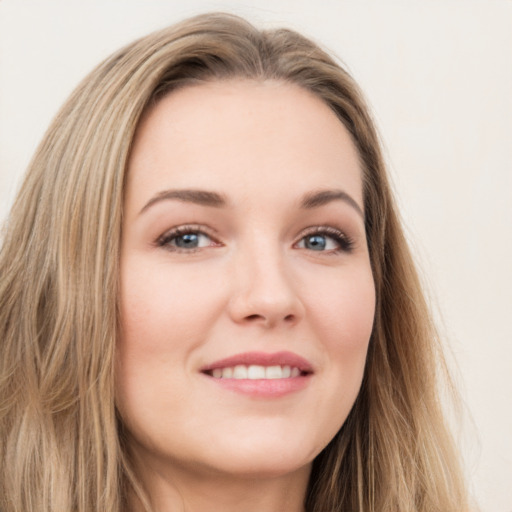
182, 490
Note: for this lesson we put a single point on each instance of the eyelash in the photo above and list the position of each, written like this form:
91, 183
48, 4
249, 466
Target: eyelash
166, 239
344, 242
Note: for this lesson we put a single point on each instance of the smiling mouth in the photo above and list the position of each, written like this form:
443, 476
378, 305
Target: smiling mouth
256, 372
260, 375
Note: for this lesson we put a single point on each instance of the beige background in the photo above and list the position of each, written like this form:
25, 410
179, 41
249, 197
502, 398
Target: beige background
438, 75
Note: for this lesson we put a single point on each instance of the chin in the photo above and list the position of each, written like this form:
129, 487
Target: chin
263, 457
261, 468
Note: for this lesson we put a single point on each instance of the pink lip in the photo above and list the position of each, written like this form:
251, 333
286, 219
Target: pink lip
263, 359
263, 388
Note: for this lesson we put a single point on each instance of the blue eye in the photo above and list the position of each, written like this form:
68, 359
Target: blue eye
326, 240
188, 241
315, 242
184, 238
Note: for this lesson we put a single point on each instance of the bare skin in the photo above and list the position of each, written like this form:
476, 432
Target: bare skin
247, 297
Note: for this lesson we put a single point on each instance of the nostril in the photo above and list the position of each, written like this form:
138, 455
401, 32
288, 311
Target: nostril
254, 317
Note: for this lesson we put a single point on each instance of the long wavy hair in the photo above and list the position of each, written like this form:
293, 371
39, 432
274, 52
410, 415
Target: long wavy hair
61, 442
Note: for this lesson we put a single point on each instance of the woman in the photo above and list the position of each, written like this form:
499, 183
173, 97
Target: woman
207, 301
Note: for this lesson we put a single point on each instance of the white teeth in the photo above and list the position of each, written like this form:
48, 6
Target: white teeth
274, 372
295, 372
227, 373
240, 372
256, 372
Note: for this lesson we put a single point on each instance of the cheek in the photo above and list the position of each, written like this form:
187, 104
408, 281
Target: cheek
152, 341
345, 317
346, 311
158, 302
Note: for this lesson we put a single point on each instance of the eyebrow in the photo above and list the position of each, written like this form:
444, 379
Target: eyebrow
216, 200
201, 197
322, 197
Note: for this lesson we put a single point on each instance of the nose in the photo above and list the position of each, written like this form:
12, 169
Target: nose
264, 291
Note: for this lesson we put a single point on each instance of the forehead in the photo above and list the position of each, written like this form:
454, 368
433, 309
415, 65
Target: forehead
250, 135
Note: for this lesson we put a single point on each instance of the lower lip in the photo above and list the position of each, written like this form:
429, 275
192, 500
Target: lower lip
264, 388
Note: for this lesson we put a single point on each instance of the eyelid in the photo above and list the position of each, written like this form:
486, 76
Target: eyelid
164, 239
345, 242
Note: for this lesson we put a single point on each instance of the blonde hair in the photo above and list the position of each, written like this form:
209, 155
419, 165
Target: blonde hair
61, 444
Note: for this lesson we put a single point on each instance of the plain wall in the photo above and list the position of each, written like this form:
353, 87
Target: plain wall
438, 76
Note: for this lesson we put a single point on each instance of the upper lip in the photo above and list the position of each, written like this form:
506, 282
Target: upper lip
262, 359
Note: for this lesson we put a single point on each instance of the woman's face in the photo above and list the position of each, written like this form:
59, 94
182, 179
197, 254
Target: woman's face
247, 297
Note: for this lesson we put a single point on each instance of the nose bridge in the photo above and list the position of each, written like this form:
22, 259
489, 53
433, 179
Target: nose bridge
264, 289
